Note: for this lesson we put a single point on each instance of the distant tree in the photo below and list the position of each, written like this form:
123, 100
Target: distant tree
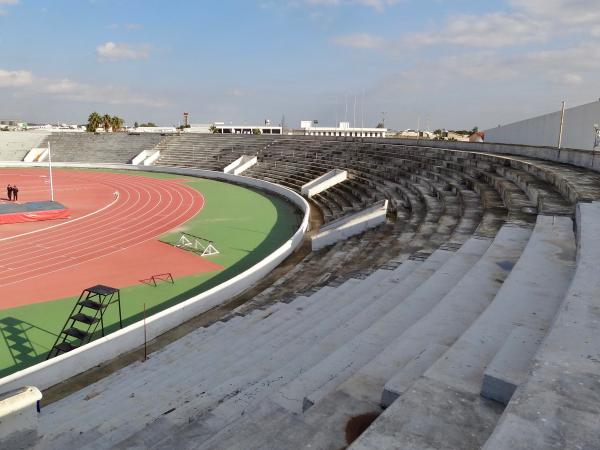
106, 122
94, 121
256, 131
149, 124
474, 130
116, 123
380, 125
213, 129
135, 124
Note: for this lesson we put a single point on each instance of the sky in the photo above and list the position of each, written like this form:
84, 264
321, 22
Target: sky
451, 64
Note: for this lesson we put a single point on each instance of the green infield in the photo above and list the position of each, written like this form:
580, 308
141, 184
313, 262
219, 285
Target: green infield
245, 225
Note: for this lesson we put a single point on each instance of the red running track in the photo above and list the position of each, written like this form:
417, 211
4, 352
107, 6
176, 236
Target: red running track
109, 239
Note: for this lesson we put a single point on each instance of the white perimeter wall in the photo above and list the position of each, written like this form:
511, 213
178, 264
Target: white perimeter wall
351, 225
67, 365
324, 182
543, 130
19, 418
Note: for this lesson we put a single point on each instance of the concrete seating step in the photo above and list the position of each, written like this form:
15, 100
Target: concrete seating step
210, 368
527, 297
412, 352
510, 366
559, 405
231, 407
337, 367
445, 323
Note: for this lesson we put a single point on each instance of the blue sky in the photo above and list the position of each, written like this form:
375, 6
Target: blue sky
447, 63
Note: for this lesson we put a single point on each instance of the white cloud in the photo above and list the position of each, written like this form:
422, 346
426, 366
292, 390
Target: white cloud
566, 66
25, 84
127, 26
378, 5
88, 93
111, 51
573, 12
359, 40
15, 78
492, 30
4, 12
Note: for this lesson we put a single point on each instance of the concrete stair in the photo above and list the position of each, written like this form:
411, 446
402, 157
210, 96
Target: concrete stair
528, 299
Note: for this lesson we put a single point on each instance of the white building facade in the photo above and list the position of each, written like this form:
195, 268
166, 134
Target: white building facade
343, 130
247, 129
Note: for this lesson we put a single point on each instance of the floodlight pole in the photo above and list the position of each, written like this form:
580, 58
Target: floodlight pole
50, 170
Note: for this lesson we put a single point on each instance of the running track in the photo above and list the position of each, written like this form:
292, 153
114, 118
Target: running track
111, 238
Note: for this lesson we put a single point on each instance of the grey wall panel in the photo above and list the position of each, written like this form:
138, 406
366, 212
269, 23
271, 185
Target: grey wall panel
543, 130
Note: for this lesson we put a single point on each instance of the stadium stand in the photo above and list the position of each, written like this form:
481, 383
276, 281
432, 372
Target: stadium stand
100, 147
15, 145
476, 289
211, 152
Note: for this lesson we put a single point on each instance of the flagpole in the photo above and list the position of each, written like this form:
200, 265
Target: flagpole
50, 168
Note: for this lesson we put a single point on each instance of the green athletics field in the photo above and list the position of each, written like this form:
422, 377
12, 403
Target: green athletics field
245, 224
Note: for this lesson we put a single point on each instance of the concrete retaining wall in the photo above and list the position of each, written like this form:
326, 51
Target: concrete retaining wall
241, 164
343, 228
146, 157
152, 158
140, 157
34, 154
324, 182
67, 365
578, 131
19, 418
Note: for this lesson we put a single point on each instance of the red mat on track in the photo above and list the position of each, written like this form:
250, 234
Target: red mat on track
37, 216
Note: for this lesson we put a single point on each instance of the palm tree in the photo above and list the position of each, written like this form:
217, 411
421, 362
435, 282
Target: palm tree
106, 122
116, 123
94, 121
213, 129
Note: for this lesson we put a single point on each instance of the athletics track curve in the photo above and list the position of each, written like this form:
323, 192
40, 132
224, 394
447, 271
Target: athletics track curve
110, 239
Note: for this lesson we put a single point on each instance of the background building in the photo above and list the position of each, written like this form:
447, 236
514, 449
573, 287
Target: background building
309, 129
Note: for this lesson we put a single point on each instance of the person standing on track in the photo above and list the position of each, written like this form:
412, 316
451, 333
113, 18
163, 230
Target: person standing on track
9, 191
15, 191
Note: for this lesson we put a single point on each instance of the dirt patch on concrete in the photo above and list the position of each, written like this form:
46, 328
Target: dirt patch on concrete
358, 424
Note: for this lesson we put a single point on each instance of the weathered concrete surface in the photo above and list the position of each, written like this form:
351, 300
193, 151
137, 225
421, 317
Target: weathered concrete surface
559, 405
510, 366
432, 415
525, 298
521, 300
408, 356
235, 404
19, 418
347, 359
